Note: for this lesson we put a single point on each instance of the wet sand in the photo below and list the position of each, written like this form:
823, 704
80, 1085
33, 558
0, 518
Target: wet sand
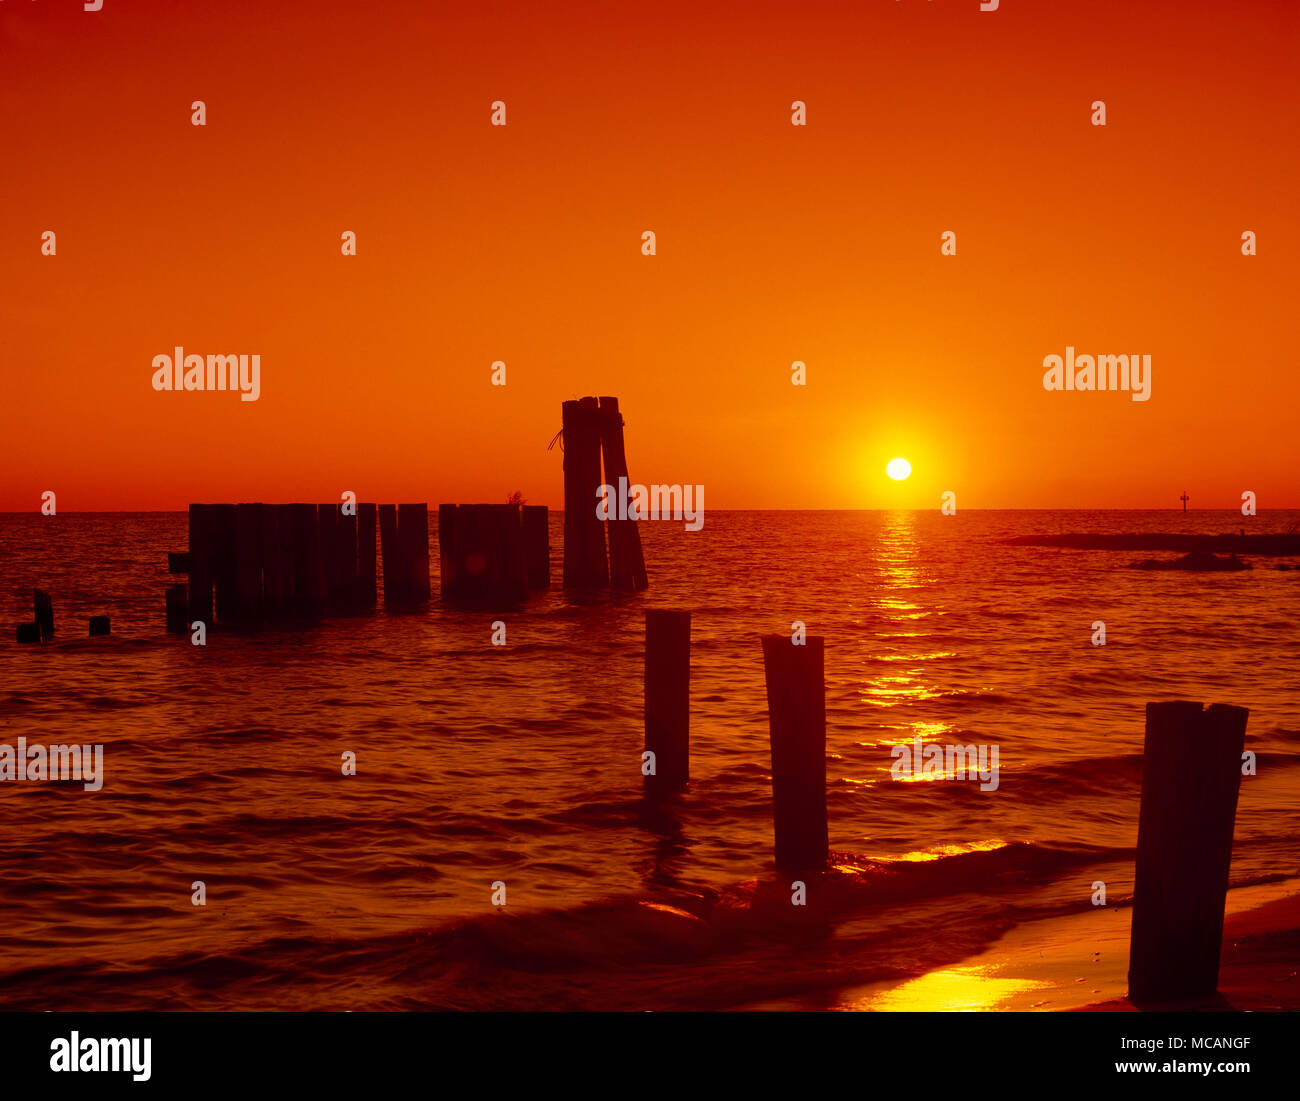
1080, 962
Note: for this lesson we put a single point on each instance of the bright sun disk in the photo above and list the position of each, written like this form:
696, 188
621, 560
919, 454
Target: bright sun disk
898, 469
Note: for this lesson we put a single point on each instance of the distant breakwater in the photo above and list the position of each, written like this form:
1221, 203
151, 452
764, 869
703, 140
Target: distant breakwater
1278, 545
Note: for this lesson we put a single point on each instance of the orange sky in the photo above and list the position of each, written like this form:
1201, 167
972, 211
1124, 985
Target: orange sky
775, 243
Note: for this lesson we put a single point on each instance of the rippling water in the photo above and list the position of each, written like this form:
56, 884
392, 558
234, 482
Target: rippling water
521, 764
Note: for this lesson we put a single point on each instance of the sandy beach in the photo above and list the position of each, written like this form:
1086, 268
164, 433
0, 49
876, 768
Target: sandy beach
1080, 962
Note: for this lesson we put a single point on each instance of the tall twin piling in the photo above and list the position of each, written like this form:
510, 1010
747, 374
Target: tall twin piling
585, 564
626, 563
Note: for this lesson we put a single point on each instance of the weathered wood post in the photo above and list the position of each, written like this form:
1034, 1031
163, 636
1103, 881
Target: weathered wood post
585, 564
248, 560
796, 704
327, 519
508, 551
347, 553
391, 549
201, 531
1191, 773
626, 563
448, 553
286, 555
308, 566
272, 574
44, 616
367, 585
667, 698
537, 546
413, 535
178, 607
225, 588
99, 625
29, 632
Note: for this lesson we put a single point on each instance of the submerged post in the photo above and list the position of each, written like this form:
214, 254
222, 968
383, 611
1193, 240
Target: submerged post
99, 625
585, 564
667, 698
796, 705
1191, 773
178, 606
44, 616
626, 563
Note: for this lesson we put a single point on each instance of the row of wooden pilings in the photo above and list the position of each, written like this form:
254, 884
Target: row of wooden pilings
1191, 774
249, 563
252, 563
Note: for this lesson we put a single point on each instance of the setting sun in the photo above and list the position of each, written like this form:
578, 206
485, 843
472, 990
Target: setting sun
898, 469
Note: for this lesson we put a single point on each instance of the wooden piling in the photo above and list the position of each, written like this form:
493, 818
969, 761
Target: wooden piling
310, 590
1191, 773
178, 562
248, 560
99, 625
224, 586
667, 698
626, 562
29, 632
346, 533
796, 702
537, 546
391, 552
201, 533
44, 614
585, 564
367, 587
272, 563
413, 536
178, 606
448, 554
327, 519
286, 556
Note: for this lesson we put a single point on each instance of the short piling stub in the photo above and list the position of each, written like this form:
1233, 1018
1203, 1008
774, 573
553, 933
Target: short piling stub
99, 625
796, 703
178, 607
1191, 774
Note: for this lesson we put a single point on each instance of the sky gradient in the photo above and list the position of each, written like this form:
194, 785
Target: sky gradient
776, 243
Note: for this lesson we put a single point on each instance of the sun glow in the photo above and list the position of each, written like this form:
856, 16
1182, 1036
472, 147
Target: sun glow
898, 469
